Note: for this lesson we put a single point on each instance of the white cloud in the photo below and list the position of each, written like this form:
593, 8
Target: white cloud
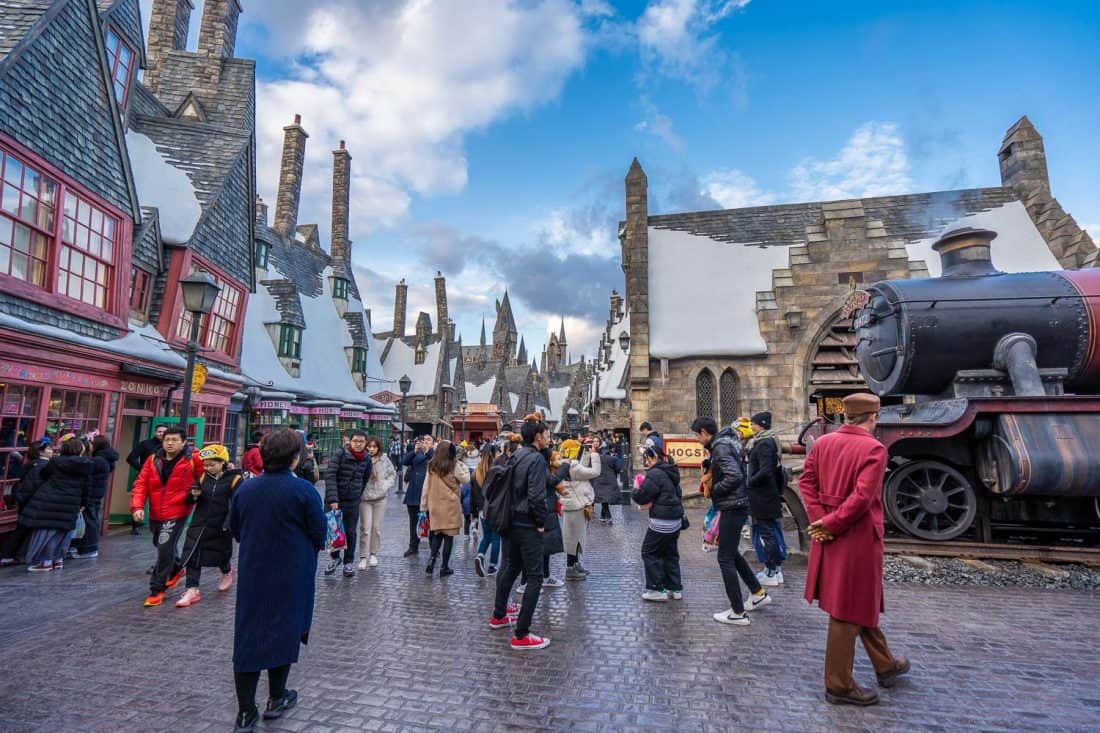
733, 189
658, 124
872, 163
676, 37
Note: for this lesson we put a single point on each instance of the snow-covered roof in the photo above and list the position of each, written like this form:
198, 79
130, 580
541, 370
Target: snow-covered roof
514, 399
401, 360
481, 392
324, 369
731, 274
611, 377
558, 395
164, 187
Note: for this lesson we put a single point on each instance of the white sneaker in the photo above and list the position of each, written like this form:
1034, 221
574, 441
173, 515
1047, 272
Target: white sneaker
374, 561
731, 618
770, 581
676, 595
520, 589
551, 582
363, 564
756, 601
709, 548
655, 595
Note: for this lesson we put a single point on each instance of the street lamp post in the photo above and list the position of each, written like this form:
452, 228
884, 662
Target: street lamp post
628, 458
404, 384
462, 409
200, 291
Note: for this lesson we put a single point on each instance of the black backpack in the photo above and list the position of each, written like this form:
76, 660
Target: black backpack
498, 496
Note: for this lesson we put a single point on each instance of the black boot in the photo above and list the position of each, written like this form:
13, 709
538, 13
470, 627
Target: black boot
431, 565
445, 571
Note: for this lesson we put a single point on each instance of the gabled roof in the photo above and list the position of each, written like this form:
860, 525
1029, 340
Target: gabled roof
125, 16
186, 72
17, 19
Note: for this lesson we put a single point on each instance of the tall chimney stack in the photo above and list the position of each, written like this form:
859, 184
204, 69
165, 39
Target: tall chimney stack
169, 23
441, 303
261, 212
341, 197
290, 178
218, 32
400, 306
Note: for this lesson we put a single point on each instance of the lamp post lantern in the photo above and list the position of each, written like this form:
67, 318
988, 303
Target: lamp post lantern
624, 341
200, 290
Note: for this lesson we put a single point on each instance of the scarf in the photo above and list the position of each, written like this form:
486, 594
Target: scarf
358, 455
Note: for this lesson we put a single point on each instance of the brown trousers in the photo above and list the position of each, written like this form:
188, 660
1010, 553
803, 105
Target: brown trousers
840, 653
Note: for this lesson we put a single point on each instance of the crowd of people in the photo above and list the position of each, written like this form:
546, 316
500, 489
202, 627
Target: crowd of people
523, 497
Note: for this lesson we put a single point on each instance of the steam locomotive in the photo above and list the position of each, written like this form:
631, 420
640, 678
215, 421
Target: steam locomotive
991, 394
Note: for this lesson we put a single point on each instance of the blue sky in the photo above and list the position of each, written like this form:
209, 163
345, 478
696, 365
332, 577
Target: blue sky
491, 136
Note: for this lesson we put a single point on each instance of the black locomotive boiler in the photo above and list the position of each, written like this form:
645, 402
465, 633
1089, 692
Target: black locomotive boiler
991, 390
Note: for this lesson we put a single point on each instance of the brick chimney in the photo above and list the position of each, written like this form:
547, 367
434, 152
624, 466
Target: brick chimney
290, 178
400, 306
169, 22
218, 32
341, 197
1023, 160
261, 212
441, 303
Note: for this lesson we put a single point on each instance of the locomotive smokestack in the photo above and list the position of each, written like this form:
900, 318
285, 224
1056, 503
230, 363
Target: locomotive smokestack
964, 252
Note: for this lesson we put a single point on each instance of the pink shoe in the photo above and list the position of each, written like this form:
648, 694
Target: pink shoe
226, 582
190, 597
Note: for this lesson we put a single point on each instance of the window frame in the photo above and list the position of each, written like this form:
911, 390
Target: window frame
358, 360
114, 59
290, 341
262, 254
343, 285
178, 325
116, 301
145, 279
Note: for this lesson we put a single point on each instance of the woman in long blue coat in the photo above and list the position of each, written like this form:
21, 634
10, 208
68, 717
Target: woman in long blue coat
278, 520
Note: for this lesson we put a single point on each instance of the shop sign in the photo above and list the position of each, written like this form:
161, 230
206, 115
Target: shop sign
198, 379
298, 410
350, 414
65, 377
275, 405
685, 452
142, 388
386, 397
324, 411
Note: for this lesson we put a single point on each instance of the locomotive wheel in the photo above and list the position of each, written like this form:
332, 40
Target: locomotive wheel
930, 500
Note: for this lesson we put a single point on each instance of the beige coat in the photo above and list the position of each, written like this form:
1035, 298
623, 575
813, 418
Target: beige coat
442, 500
577, 495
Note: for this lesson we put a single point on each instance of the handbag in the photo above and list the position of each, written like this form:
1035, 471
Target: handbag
589, 510
335, 539
423, 526
80, 527
684, 523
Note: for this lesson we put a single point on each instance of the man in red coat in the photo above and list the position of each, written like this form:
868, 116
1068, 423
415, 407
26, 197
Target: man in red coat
166, 479
841, 485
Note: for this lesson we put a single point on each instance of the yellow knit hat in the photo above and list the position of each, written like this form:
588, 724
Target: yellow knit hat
214, 452
570, 449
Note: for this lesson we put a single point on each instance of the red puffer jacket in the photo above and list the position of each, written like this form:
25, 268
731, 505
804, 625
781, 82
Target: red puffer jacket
166, 500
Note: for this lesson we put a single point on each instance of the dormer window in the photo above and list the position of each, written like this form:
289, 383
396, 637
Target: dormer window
358, 360
290, 342
339, 288
263, 253
120, 58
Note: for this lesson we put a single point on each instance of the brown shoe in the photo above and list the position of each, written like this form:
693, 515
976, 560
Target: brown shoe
857, 696
890, 678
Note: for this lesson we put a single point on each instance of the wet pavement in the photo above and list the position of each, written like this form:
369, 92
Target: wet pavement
395, 650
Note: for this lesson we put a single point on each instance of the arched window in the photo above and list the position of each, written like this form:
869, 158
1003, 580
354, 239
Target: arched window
704, 394
727, 394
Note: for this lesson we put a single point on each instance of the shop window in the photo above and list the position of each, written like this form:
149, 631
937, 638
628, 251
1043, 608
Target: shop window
340, 288
704, 394
74, 412
232, 431
263, 253
325, 430
120, 58
358, 361
18, 427
214, 425
217, 331
139, 291
290, 342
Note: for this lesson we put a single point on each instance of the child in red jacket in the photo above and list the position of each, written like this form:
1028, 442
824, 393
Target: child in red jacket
165, 480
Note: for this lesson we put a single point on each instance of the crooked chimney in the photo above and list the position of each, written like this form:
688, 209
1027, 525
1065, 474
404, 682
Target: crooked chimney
290, 178
400, 307
964, 252
341, 198
441, 303
169, 24
218, 32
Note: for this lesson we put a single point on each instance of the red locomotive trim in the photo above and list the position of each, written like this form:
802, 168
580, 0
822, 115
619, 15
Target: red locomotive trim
1087, 283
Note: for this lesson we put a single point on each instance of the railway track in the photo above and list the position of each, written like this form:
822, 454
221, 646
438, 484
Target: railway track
985, 551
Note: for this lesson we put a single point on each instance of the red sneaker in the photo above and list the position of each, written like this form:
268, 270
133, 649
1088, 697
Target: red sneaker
175, 579
531, 641
502, 623
512, 610
154, 599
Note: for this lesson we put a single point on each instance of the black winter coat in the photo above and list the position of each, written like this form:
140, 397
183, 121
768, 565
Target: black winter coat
31, 482
606, 485
138, 456
212, 507
728, 491
530, 482
416, 470
661, 489
765, 494
346, 477
58, 501
103, 463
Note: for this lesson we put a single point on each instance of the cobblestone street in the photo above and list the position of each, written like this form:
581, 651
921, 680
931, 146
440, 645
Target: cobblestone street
393, 650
